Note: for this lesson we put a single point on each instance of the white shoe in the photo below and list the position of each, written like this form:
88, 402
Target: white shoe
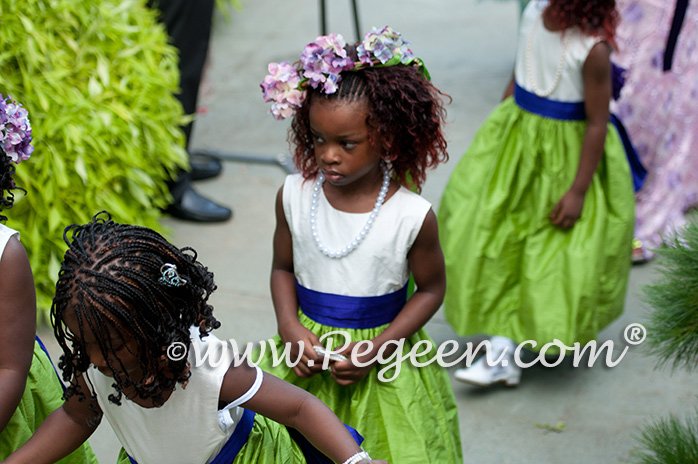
482, 374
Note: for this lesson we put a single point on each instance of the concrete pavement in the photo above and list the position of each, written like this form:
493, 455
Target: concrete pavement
468, 46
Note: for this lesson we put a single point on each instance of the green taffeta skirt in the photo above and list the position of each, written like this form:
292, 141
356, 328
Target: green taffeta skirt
42, 395
411, 418
510, 271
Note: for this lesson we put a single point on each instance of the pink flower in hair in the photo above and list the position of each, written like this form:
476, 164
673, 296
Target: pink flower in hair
281, 88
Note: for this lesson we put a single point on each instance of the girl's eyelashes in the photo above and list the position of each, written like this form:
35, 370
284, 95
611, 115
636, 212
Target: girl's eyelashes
348, 144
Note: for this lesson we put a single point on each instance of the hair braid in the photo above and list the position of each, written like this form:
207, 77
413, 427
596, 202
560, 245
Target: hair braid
109, 280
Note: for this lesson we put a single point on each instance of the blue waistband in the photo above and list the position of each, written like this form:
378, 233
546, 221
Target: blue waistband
235, 443
549, 108
351, 312
576, 112
313, 455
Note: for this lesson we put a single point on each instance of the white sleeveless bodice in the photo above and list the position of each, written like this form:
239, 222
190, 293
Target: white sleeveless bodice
189, 428
377, 267
545, 50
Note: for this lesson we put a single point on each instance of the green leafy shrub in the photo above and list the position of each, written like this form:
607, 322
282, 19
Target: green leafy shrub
98, 79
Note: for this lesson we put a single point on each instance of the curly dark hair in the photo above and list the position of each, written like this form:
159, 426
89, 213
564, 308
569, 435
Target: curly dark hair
7, 183
406, 114
594, 17
109, 281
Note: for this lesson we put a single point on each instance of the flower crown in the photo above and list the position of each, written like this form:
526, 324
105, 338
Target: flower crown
15, 130
322, 63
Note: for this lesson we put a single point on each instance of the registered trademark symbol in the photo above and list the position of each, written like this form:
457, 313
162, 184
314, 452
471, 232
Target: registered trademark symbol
635, 333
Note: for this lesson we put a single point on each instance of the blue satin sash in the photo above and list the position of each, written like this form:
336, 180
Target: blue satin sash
236, 441
242, 433
313, 455
567, 111
574, 111
351, 312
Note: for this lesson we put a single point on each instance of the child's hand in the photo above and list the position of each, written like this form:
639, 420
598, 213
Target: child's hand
299, 336
346, 373
568, 209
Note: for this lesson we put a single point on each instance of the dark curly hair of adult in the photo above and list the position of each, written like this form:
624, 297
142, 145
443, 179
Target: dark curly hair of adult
110, 282
597, 18
406, 114
7, 183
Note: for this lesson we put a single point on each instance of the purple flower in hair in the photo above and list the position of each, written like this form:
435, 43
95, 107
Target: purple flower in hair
281, 88
15, 130
384, 45
323, 61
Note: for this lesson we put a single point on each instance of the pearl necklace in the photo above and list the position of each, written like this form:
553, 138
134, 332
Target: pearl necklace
560, 65
341, 253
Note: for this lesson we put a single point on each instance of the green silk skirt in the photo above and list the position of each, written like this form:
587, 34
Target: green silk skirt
42, 395
411, 419
510, 271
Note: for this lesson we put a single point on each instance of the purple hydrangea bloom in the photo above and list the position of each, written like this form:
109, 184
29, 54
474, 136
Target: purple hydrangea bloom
15, 130
281, 88
383, 45
323, 61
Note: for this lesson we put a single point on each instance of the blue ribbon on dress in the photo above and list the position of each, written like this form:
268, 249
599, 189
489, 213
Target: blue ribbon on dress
351, 312
313, 455
574, 111
676, 25
236, 441
567, 111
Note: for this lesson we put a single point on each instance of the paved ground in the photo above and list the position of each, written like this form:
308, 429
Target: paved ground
468, 46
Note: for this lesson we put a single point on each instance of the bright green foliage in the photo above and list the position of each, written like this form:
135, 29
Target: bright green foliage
669, 441
673, 327
98, 80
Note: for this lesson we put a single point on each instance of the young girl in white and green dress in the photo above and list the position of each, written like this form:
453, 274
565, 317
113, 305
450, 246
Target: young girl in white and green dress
366, 124
537, 217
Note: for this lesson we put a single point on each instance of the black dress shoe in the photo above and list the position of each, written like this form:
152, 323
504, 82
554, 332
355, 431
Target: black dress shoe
194, 207
204, 166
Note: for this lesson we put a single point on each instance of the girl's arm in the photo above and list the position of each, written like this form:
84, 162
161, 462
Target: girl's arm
285, 299
426, 261
597, 95
294, 407
63, 431
17, 326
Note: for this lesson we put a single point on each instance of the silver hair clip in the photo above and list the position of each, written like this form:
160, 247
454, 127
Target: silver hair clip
170, 277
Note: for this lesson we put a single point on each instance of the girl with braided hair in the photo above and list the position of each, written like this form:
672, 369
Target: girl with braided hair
129, 306
30, 387
537, 217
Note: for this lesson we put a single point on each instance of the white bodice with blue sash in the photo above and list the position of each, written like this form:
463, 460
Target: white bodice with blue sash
189, 428
366, 288
544, 48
